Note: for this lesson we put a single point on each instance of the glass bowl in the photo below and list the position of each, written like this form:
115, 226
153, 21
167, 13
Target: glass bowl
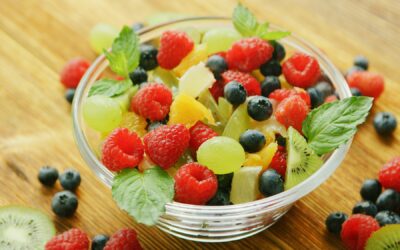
214, 223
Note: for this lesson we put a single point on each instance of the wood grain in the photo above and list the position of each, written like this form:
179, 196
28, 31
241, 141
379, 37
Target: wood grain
38, 36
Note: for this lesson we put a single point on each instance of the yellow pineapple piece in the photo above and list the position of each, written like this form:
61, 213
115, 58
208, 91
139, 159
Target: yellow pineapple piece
257, 74
252, 160
198, 54
134, 123
267, 153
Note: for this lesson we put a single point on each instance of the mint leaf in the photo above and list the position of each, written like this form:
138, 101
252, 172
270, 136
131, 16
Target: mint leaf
124, 55
143, 195
244, 21
109, 87
332, 124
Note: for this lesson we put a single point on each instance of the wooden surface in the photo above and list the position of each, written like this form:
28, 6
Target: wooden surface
38, 36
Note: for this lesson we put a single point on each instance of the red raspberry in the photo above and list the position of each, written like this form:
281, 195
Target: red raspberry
122, 149
281, 94
279, 162
331, 98
248, 81
174, 46
370, 84
194, 184
301, 70
389, 175
200, 133
73, 71
123, 239
248, 54
357, 229
166, 144
217, 90
73, 239
292, 111
152, 101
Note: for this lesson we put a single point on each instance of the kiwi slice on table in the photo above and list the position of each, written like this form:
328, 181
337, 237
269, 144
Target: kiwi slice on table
24, 228
302, 161
387, 237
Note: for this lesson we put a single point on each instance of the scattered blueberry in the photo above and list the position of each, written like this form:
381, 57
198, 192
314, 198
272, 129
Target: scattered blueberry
252, 140
316, 97
387, 217
64, 203
361, 61
352, 70
271, 68
137, 26
99, 242
225, 181
279, 51
334, 222
355, 92
217, 65
69, 95
221, 198
48, 176
235, 93
389, 200
259, 108
70, 179
138, 76
269, 84
385, 123
325, 88
365, 207
370, 190
281, 140
148, 57
153, 126
270, 183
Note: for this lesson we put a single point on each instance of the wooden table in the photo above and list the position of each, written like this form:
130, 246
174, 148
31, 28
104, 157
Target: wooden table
38, 36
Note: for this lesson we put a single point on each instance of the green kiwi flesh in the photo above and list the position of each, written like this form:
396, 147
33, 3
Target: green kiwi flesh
386, 238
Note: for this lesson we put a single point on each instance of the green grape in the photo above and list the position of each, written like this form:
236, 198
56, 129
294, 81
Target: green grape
161, 75
193, 33
124, 100
221, 154
102, 113
225, 109
238, 123
102, 36
220, 39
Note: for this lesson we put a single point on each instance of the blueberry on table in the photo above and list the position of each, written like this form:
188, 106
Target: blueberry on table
148, 57
64, 203
221, 198
270, 183
69, 95
235, 93
99, 242
259, 108
370, 190
137, 26
387, 217
365, 207
138, 76
316, 97
361, 61
334, 222
389, 200
252, 140
70, 179
48, 176
385, 123
271, 68
217, 65
269, 84
279, 51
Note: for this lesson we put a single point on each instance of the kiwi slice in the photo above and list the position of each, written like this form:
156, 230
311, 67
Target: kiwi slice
302, 161
24, 228
386, 238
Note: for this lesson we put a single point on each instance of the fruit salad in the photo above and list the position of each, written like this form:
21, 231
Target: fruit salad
213, 117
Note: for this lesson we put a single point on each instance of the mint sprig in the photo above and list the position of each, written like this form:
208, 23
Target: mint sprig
109, 87
143, 195
247, 25
332, 124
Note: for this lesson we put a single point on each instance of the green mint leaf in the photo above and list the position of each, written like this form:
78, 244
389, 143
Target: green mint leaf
332, 124
143, 195
124, 55
109, 87
244, 21
274, 35
262, 29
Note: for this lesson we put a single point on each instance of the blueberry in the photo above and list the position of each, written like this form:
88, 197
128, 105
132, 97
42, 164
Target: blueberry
361, 61
355, 92
269, 84
153, 126
334, 222
389, 200
316, 96
235, 93
365, 207
225, 181
325, 88
69, 95
279, 51
220, 198
138, 76
148, 57
252, 140
70, 179
217, 65
352, 70
271, 68
385, 123
137, 26
48, 176
64, 203
259, 108
281, 140
387, 217
370, 190
99, 242
270, 183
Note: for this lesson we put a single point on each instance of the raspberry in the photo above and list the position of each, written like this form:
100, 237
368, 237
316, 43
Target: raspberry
291, 112
248, 81
200, 133
301, 70
281, 94
389, 175
123, 239
174, 46
357, 229
74, 239
152, 102
370, 84
166, 144
248, 54
194, 184
331, 98
279, 161
73, 71
122, 149
217, 90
